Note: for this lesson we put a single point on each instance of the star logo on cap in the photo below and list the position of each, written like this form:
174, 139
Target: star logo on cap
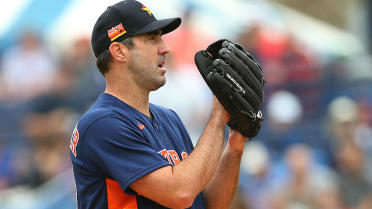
144, 8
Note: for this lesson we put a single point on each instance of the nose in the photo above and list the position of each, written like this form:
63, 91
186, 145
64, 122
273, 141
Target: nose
164, 48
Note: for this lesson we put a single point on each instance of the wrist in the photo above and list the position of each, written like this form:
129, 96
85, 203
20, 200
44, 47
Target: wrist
235, 150
217, 122
236, 141
236, 147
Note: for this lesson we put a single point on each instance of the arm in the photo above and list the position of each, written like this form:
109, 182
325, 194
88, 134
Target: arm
226, 178
184, 181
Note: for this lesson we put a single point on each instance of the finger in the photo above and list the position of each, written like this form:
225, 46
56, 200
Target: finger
249, 109
238, 83
245, 57
221, 88
242, 70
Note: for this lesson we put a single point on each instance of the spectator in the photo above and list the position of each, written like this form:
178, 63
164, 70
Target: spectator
28, 70
297, 61
257, 177
185, 42
282, 125
48, 133
328, 196
351, 168
248, 39
341, 126
300, 187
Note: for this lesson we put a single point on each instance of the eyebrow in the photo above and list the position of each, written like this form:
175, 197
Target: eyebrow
157, 32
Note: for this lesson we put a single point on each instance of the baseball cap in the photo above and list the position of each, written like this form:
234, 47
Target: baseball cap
124, 19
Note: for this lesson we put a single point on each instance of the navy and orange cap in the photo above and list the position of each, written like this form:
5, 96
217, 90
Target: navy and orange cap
124, 19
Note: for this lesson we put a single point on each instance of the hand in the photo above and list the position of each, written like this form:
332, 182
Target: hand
236, 140
237, 80
218, 112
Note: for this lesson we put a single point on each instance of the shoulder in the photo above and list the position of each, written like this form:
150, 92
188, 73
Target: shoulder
102, 128
105, 112
101, 125
92, 116
103, 121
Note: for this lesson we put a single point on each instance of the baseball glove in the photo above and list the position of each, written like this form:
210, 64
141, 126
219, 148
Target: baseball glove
237, 81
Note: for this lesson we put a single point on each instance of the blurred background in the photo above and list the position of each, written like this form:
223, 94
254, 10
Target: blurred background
314, 150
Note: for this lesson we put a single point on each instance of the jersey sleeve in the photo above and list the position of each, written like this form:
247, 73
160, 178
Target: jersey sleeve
118, 148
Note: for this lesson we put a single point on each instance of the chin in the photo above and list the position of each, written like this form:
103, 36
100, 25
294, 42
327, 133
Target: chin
159, 84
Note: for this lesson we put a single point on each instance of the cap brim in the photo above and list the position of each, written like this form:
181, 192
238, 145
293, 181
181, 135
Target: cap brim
165, 25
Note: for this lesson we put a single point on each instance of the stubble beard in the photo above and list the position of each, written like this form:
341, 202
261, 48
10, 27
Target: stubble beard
144, 72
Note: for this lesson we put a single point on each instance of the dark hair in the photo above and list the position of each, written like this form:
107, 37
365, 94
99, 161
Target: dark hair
104, 59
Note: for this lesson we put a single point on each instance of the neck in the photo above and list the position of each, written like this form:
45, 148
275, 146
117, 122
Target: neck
135, 97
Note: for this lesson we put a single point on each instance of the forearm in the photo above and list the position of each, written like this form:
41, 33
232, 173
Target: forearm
222, 188
189, 177
196, 171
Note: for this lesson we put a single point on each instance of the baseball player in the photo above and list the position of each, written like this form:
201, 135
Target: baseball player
128, 153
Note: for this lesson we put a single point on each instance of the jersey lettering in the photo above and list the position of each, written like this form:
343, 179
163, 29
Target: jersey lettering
172, 156
184, 155
74, 141
164, 153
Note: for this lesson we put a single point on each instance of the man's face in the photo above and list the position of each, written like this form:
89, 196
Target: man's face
147, 58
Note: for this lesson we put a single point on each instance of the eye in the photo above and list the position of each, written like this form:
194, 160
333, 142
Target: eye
153, 37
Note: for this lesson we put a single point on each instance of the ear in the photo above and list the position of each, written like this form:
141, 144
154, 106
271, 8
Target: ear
119, 52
